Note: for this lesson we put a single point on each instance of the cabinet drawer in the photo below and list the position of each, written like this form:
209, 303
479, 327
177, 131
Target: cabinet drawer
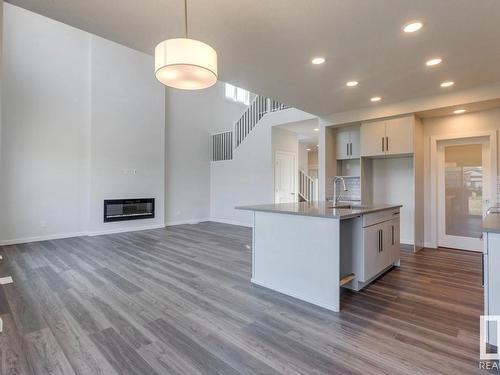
379, 217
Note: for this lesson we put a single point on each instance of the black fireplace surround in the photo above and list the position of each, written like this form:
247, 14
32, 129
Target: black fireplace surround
128, 209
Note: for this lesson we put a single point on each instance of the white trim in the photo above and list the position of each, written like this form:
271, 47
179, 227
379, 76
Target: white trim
231, 222
492, 135
17, 241
184, 222
124, 230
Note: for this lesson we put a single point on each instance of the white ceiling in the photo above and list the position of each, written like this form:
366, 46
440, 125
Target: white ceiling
305, 130
266, 46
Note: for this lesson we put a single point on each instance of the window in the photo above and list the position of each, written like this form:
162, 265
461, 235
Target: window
237, 94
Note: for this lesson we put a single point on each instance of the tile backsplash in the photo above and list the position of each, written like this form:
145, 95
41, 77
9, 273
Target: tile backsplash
353, 192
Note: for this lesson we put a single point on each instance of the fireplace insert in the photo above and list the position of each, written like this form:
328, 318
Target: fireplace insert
128, 209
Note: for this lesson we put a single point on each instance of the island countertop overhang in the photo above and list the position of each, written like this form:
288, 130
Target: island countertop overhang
319, 209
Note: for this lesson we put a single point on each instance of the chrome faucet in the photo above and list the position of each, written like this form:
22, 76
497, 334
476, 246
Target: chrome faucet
336, 197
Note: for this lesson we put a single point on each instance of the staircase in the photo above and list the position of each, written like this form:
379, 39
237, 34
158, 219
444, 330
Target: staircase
224, 143
308, 187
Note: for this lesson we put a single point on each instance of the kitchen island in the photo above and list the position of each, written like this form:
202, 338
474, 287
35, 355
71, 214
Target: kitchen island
309, 250
491, 276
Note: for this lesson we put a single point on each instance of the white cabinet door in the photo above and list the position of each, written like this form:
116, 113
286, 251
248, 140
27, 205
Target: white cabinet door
399, 136
493, 285
343, 144
374, 262
392, 240
355, 143
373, 138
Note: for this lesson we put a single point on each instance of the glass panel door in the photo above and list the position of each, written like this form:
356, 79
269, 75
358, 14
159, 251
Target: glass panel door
463, 188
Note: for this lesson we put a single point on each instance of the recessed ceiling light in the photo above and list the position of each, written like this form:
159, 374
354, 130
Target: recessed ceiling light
317, 145
318, 60
459, 111
316, 129
412, 27
308, 149
433, 62
447, 84
376, 99
352, 83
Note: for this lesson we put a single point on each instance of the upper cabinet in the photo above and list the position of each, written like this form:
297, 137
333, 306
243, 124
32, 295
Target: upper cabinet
347, 143
388, 137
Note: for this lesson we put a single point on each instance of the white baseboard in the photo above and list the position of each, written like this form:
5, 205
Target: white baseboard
184, 222
232, 222
124, 230
17, 241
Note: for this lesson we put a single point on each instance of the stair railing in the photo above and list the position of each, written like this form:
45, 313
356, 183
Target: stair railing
308, 187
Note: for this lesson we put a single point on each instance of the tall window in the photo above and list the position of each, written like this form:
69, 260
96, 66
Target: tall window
237, 94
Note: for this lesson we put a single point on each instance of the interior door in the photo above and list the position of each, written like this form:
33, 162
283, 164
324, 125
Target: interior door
372, 136
285, 177
463, 191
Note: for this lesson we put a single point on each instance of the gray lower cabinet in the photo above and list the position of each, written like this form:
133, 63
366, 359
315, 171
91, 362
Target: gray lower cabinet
491, 280
381, 244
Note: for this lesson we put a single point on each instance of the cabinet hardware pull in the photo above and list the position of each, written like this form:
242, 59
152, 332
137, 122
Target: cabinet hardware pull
381, 240
383, 148
393, 234
347, 148
387, 143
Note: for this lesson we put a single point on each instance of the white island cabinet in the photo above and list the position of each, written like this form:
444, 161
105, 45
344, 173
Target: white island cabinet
491, 273
310, 250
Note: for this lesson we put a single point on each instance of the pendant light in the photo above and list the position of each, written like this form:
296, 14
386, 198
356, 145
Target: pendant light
185, 63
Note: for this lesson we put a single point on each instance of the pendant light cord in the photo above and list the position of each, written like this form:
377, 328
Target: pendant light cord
186, 16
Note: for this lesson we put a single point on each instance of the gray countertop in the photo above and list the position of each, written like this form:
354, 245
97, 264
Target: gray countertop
319, 209
491, 223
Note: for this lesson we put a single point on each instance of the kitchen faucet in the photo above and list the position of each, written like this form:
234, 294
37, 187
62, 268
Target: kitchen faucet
336, 197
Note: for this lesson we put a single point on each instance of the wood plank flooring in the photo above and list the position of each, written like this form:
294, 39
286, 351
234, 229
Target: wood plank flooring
179, 301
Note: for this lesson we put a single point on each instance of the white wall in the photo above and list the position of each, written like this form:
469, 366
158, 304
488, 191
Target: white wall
45, 114
245, 180
248, 179
191, 117
393, 184
1, 89
127, 137
90, 109
469, 122
303, 157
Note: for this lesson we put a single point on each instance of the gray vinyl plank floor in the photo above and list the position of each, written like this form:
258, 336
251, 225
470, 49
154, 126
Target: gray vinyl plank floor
179, 301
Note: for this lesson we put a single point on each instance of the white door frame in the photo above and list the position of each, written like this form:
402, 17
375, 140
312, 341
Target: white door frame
295, 169
492, 135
